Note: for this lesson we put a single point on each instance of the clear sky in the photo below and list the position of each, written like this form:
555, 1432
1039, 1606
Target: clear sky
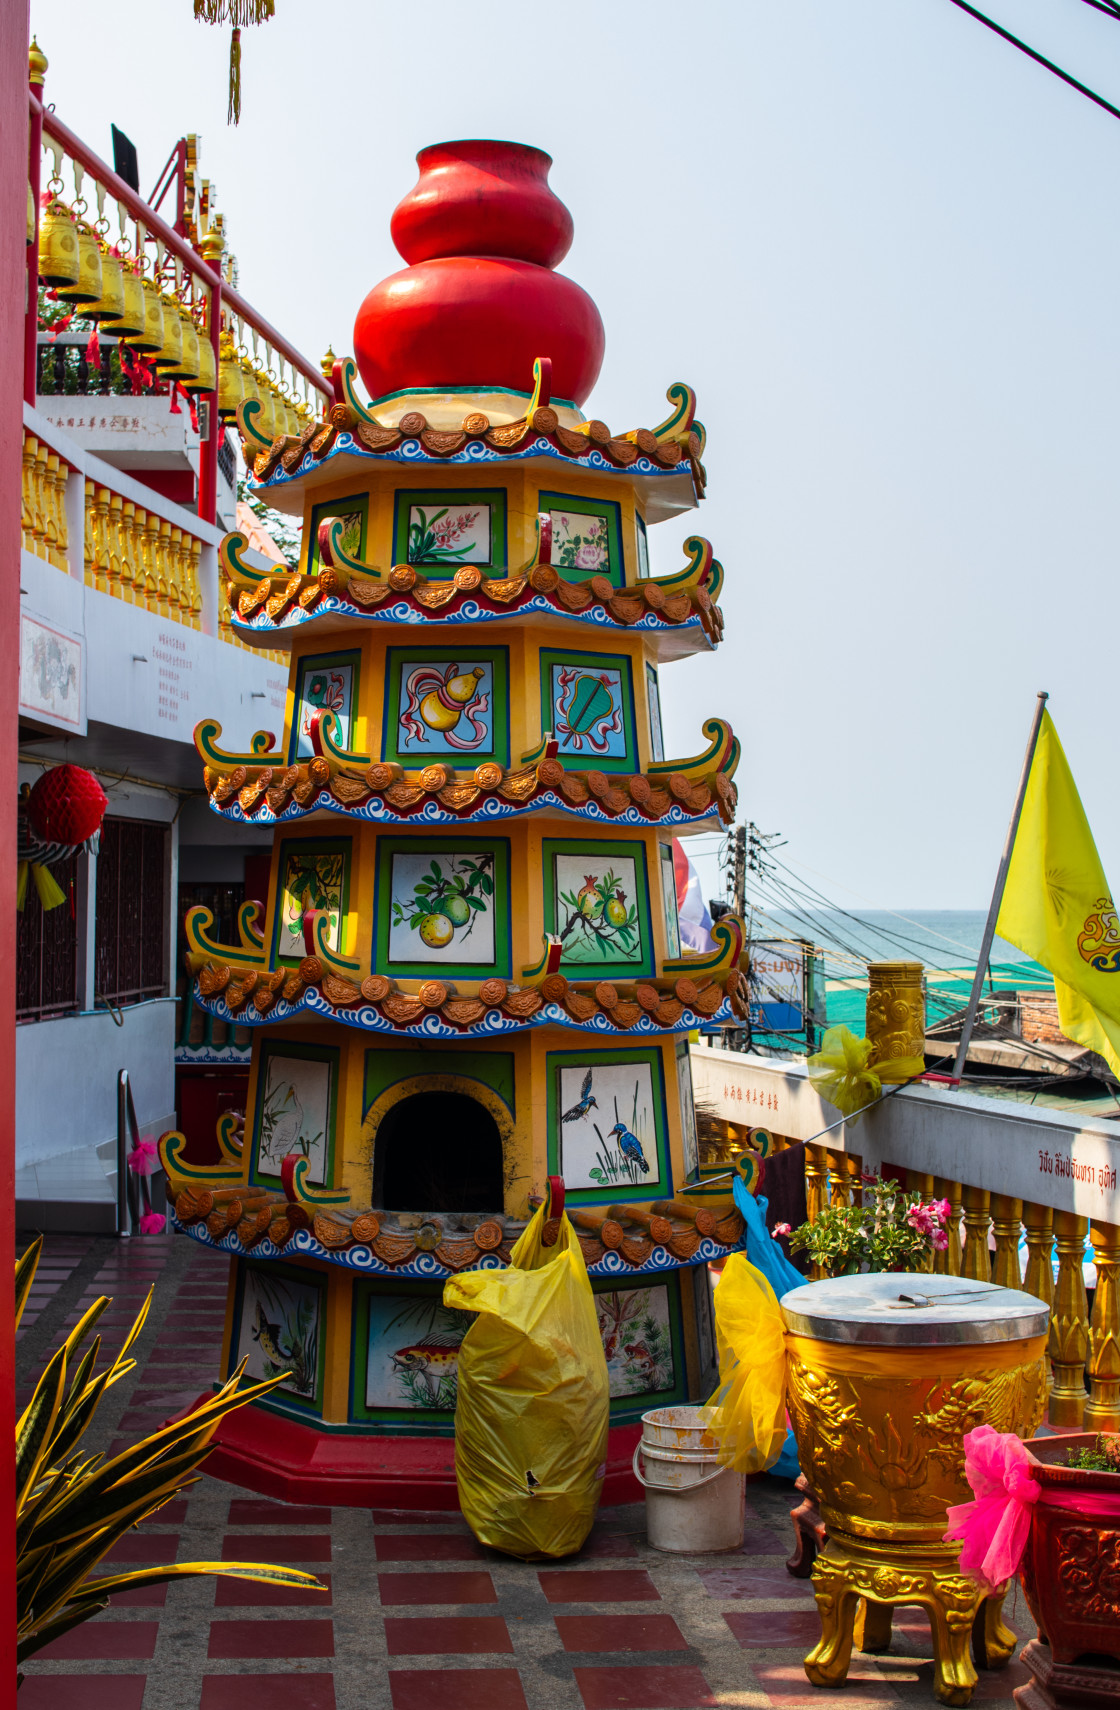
884, 249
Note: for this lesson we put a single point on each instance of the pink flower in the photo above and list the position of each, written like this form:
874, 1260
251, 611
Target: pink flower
589, 556
918, 1218
942, 1210
780, 1229
940, 1240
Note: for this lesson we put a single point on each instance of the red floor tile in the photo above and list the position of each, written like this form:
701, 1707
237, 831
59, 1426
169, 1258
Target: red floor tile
282, 1547
644, 1688
737, 1580
604, 1546
104, 1641
757, 1631
82, 1692
455, 1689
445, 1635
258, 1594
620, 1633
788, 1689
598, 1585
145, 1547
140, 1597
408, 1588
271, 1639
759, 1541
266, 1691
421, 1547
247, 1511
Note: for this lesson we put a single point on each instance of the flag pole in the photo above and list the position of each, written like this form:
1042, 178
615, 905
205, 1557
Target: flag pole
997, 894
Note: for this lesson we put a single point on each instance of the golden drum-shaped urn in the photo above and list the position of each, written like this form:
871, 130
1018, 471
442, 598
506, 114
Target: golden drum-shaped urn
885, 1375
58, 246
896, 1018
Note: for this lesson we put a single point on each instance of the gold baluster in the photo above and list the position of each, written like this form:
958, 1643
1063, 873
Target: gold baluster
61, 475
100, 509
195, 545
1007, 1218
47, 535
27, 492
976, 1262
919, 1182
1069, 1329
115, 537
90, 568
1039, 1223
178, 577
148, 524
816, 1167
224, 624
839, 1181
1102, 1410
39, 488
163, 568
948, 1262
54, 520
129, 565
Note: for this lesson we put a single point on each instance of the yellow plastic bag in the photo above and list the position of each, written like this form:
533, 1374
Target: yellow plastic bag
533, 1407
749, 1418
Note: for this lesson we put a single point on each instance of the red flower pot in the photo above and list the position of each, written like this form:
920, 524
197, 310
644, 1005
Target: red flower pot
1071, 1568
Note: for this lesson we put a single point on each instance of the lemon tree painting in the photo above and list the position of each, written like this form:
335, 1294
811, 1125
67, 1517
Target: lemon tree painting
597, 918
278, 1331
443, 908
313, 879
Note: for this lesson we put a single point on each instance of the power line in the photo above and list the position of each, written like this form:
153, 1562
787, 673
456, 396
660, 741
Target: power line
1040, 59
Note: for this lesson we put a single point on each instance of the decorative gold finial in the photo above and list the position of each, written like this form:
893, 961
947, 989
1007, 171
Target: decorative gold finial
211, 245
37, 63
326, 364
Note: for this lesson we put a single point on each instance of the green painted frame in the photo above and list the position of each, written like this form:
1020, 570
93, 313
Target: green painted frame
324, 512
608, 508
496, 497
625, 1407
269, 1049
641, 539
387, 847
395, 1421
321, 662
656, 727
550, 657
596, 850
609, 1193
669, 899
280, 1400
313, 846
397, 658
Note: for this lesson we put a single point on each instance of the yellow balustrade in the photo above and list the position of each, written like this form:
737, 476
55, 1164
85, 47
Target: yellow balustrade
1007, 1220
839, 1180
1102, 1410
949, 1262
976, 1262
1069, 1327
816, 1182
1038, 1221
90, 554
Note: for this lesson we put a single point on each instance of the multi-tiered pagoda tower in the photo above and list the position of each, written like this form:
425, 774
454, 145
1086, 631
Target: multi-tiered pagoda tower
469, 976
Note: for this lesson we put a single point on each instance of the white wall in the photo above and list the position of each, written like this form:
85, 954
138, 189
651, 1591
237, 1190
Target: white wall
66, 1077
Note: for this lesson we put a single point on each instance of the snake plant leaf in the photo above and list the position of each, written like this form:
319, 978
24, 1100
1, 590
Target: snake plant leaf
85, 1324
77, 1417
77, 1612
33, 1433
136, 1496
28, 1588
36, 1505
266, 1572
26, 1266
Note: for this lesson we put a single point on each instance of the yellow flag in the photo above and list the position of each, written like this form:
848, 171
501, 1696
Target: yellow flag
1057, 905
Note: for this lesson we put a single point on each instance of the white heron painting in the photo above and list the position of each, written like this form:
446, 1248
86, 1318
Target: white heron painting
295, 1114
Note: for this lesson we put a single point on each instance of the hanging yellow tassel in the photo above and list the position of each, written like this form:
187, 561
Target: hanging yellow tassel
233, 117
21, 886
50, 892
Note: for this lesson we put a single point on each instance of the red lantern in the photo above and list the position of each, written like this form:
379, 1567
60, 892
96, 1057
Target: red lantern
66, 805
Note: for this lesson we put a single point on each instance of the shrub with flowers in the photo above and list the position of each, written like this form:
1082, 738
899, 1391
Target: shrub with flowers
893, 1230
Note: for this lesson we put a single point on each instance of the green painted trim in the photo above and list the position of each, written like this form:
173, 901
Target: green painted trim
387, 847
608, 508
653, 683
270, 1048
323, 662
335, 508
465, 392
621, 662
498, 660
469, 1064
669, 900
297, 1405
310, 846
495, 497
597, 850
651, 1188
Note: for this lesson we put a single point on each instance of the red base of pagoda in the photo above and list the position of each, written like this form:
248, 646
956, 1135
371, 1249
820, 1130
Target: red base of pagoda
295, 1463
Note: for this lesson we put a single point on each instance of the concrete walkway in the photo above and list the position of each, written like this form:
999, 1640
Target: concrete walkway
415, 1615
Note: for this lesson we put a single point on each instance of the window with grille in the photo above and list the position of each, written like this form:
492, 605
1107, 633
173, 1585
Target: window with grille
47, 950
131, 936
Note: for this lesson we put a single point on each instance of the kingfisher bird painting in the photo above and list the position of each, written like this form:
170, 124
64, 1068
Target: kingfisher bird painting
594, 1150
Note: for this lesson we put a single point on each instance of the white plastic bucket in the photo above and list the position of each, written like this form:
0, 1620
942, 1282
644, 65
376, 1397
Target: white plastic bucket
693, 1505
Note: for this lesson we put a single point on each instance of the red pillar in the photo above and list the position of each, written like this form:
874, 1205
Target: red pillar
13, 266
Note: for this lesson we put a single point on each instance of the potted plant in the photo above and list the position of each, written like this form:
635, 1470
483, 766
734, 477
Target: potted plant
1071, 1567
893, 1230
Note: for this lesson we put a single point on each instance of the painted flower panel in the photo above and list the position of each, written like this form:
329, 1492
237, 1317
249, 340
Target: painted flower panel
324, 688
581, 542
449, 534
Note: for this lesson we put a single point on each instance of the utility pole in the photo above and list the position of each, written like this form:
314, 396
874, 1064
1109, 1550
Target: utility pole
739, 872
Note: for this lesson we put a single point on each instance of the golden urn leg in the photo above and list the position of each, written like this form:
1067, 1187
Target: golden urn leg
993, 1641
873, 1625
837, 1600
953, 1674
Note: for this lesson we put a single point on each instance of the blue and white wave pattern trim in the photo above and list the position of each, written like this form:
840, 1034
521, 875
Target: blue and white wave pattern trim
491, 808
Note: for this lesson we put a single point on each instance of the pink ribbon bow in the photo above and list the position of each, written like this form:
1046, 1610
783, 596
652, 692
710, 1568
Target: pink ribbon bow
994, 1529
144, 1158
